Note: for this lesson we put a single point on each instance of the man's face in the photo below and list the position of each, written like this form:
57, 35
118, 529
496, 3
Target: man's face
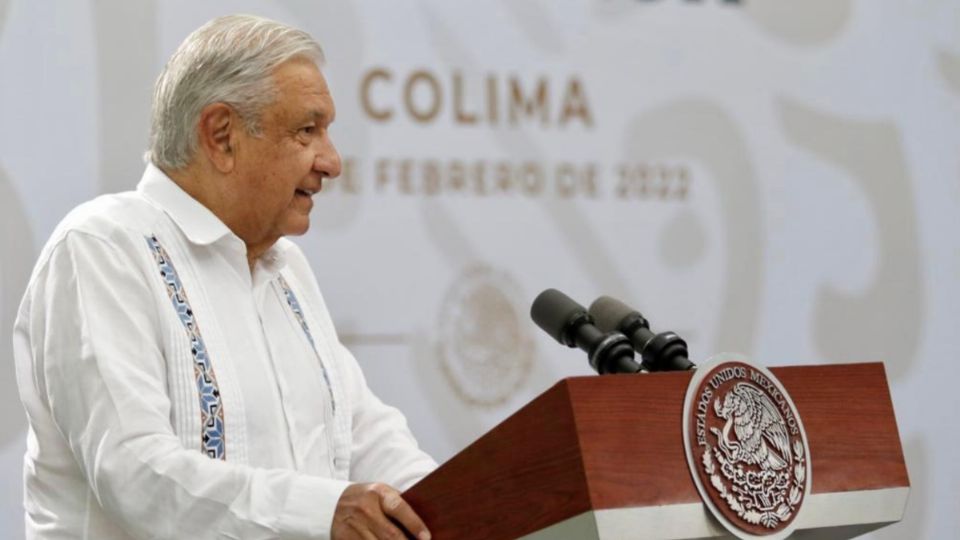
278, 171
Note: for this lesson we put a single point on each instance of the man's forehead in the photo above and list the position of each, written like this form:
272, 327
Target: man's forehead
301, 85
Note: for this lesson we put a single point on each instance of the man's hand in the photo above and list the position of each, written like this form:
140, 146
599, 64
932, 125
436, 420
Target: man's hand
364, 511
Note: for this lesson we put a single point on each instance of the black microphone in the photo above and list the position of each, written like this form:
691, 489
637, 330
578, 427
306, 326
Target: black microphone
665, 351
569, 323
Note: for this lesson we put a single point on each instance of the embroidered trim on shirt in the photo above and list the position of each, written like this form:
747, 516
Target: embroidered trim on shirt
211, 407
298, 313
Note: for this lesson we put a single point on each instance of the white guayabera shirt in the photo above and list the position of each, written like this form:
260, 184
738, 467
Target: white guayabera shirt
172, 394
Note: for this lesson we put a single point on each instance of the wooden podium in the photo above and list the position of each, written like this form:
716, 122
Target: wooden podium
603, 457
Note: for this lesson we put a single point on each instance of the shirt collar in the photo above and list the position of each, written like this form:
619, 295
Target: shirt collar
198, 223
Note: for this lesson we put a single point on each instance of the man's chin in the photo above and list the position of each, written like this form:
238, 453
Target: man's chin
297, 227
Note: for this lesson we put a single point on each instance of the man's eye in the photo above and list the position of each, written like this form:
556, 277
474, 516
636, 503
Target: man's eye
309, 130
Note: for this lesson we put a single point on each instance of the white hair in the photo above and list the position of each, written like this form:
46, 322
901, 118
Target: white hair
228, 60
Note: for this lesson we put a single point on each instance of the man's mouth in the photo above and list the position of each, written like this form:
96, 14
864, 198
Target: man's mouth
308, 191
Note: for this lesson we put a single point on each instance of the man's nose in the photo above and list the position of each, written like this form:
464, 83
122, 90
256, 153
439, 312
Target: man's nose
327, 161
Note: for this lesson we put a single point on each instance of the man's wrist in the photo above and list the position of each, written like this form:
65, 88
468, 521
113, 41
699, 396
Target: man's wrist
309, 508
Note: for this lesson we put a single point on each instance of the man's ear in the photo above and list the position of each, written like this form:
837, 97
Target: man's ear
215, 135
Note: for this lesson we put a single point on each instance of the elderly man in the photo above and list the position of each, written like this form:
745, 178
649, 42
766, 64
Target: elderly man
181, 375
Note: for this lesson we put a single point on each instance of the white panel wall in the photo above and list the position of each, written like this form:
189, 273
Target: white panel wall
770, 177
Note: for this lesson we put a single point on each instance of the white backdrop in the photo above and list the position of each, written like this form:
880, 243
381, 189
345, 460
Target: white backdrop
773, 177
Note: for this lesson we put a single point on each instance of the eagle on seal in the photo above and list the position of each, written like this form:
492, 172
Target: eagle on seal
761, 433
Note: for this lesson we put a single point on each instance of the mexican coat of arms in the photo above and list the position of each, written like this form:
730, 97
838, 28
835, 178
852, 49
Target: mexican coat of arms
746, 448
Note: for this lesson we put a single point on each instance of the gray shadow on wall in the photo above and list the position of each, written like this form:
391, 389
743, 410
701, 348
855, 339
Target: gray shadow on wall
702, 131
4, 4
806, 23
611, 11
683, 242
884, 322
15, 266
949, 66
126, 71
535, 20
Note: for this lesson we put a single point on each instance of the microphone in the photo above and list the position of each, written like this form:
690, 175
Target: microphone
569, 323
660, 352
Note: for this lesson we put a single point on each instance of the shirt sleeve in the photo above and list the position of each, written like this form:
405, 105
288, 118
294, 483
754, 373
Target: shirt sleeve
384, 449
92, 328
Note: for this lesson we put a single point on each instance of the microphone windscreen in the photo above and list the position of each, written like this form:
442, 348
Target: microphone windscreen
553, 311
608, 313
